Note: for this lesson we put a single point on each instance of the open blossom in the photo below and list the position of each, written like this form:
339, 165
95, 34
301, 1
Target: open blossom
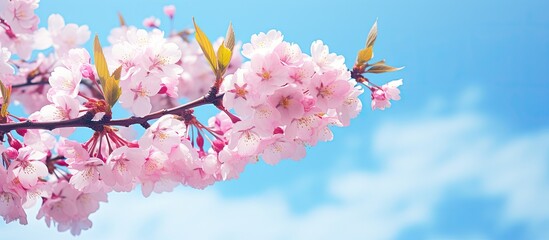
138, 93
325, 60
64, 81
28, 167
20, 15
381, 96
169, 10
155, 175
61, 36
262, 43
124, 163
151, 22
5, 55
275, 106
164, 134
10, 201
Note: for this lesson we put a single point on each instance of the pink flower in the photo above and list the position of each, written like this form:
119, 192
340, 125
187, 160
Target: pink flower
287, 101
20, 15
245, 138
10, 202
64, 81
262, 43
326, 61
65, 37
267, 73
164, 134
5, 55
151, 22
136, 94
169, 10
124, 163
28, 167
90, 175
329, 90
154, 176
381, 96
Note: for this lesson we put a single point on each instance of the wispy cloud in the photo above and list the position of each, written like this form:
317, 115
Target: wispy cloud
425, 162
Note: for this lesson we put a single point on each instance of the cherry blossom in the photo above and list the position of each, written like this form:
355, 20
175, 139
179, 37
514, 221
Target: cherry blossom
271, 107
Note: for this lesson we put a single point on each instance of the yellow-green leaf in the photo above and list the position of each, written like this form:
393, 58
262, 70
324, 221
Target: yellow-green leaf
229, 38
382, 69
372, 36
6, 94
365, 55
206, 47
224, 55
110, 84
121, 19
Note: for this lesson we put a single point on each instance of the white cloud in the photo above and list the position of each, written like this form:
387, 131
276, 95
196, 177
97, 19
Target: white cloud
422, 159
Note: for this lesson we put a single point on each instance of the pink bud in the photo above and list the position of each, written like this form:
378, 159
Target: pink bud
308, 102
278, 130
87, 72
11, 153
151, 22
163, 89
218, 145
169, 10
21, 131
14, 142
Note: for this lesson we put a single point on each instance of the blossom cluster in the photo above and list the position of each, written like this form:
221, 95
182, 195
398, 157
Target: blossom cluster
271, 107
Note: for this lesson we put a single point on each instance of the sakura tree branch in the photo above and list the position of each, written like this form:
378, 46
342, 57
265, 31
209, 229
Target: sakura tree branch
86, 119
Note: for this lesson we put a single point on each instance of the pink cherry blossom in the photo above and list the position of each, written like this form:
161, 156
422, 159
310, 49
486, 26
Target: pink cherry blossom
151, 22
138, 92
262, 43
154, 176
20, 15
381, 96
5, 55
90, 175
287, 101
124, 163
169, 10
10, 202
328, 90
164, 134
325, 60
64, 81
28, 167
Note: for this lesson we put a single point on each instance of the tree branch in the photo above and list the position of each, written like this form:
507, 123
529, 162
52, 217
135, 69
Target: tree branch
86, 119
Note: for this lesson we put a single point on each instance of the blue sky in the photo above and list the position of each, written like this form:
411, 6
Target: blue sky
463, 155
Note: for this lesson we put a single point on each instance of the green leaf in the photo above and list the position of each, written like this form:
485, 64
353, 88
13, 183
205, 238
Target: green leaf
110, 84
224, 55
372, 36
206, 47
121, 19
382, 68
365, 55
6, 95
229, 38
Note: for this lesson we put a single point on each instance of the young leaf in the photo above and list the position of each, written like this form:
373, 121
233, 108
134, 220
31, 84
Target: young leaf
372, 36
6, 94
382, 68
121, 19
229, 38
365, 55
206, 47
224, 55
110, 84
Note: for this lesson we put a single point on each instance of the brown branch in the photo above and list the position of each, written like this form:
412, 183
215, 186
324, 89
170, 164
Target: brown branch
86, 119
